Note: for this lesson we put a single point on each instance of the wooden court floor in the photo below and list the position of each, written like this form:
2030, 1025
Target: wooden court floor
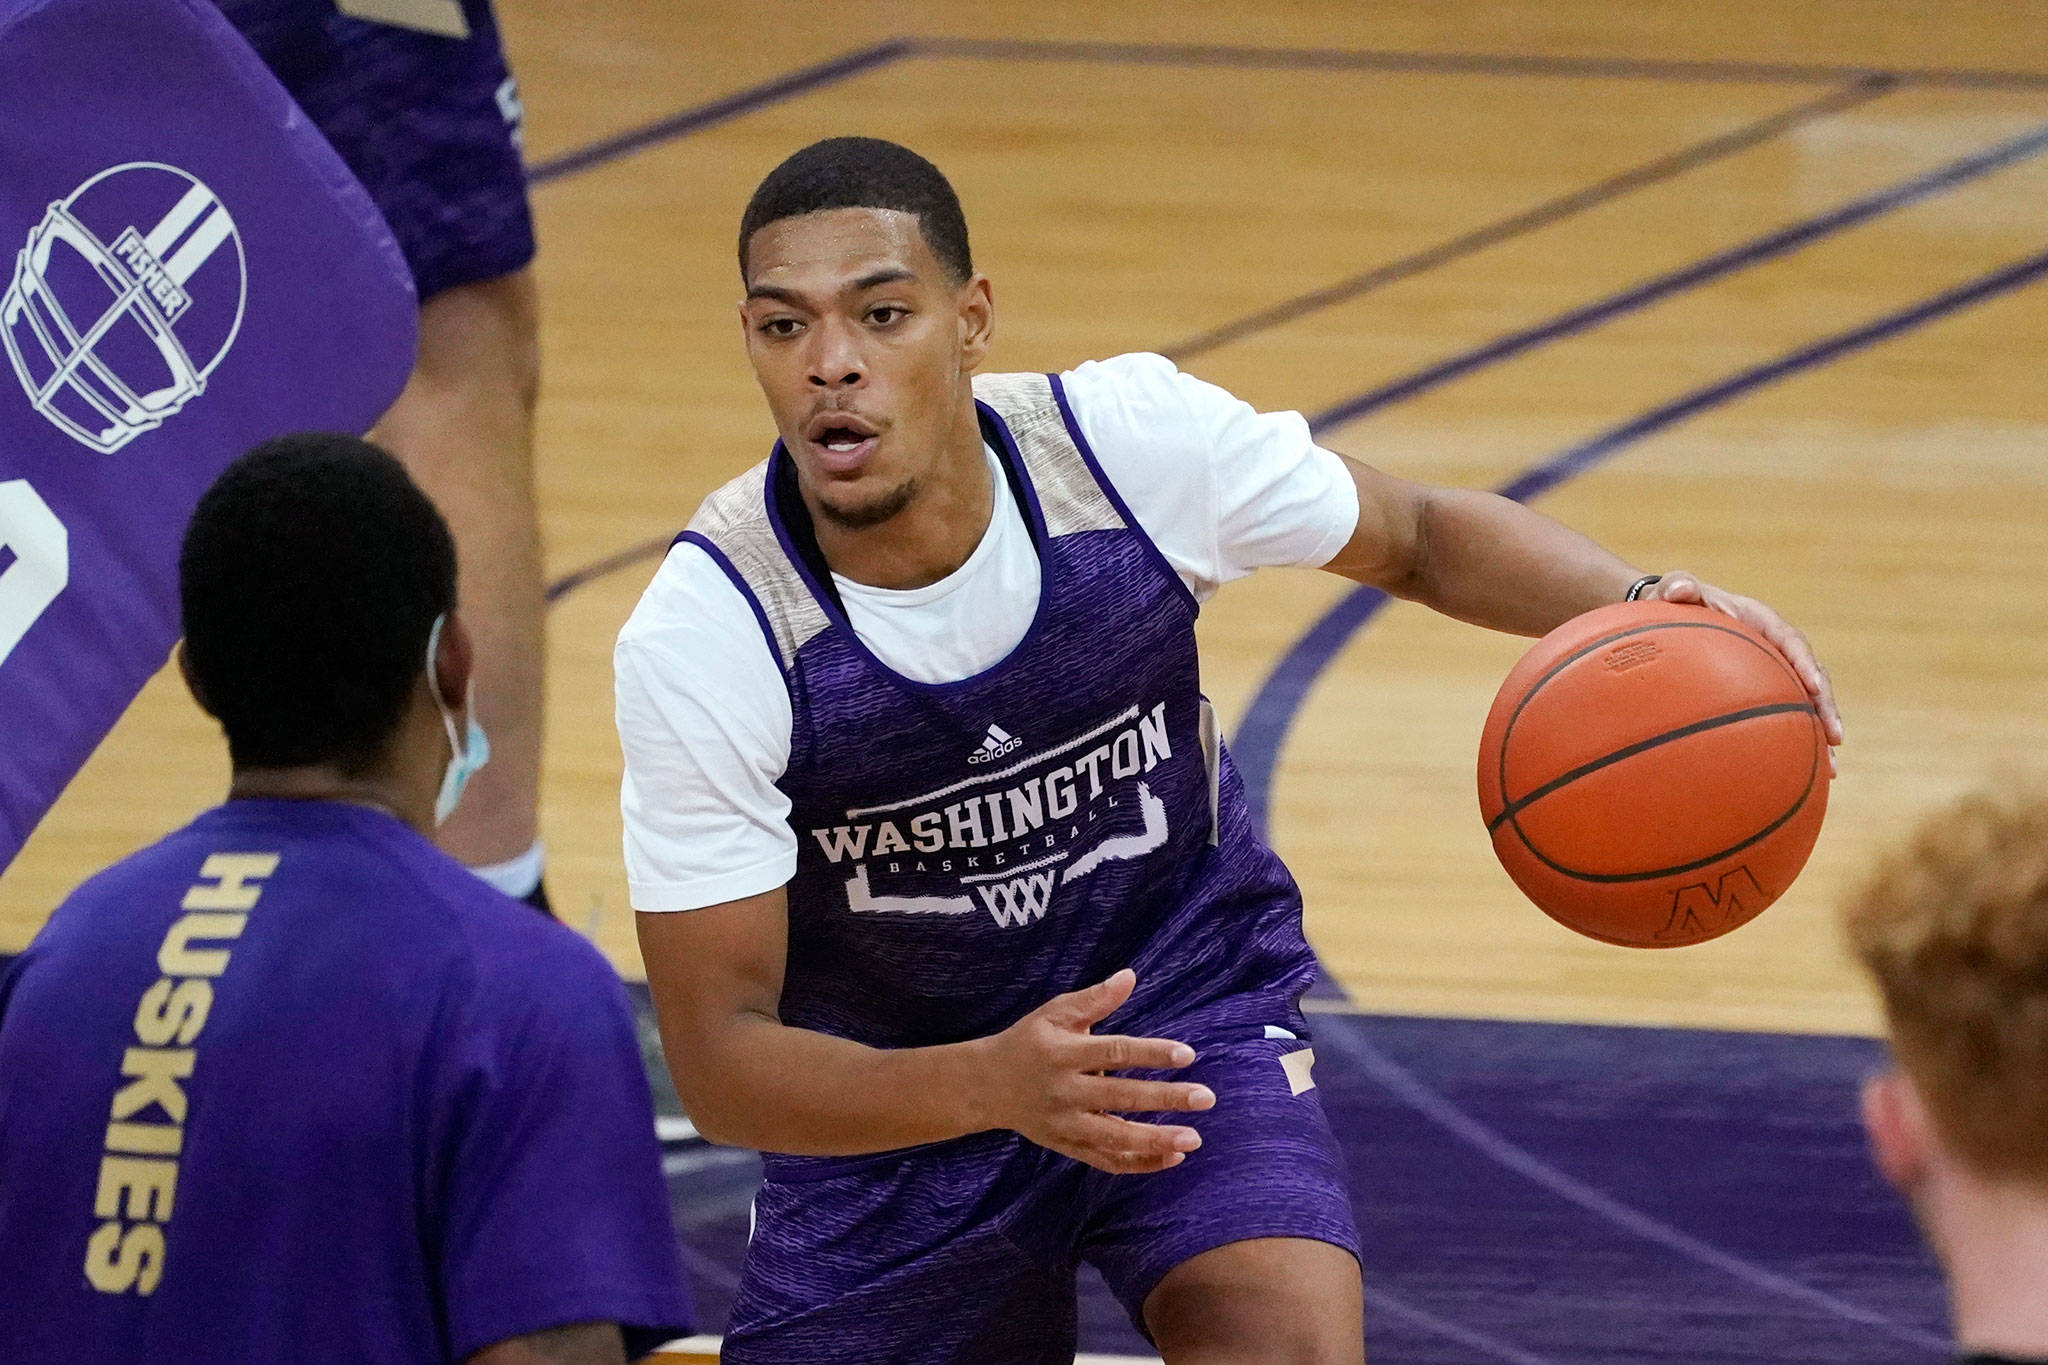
1766, 281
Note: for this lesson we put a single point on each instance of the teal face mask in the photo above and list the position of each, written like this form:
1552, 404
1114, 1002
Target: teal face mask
465, 757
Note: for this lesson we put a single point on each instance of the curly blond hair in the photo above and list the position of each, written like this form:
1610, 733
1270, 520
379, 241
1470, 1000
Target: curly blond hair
1954, 927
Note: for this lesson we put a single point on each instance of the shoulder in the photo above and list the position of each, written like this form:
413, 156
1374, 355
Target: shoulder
105, 906
1145, 419
737, 505
503, 955
697, 633
691, 592
1146, 392
537, 965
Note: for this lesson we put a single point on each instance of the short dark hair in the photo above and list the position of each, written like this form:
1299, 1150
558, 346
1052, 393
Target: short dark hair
310, 577
863, 173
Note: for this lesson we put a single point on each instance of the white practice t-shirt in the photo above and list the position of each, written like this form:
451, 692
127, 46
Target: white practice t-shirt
703, 712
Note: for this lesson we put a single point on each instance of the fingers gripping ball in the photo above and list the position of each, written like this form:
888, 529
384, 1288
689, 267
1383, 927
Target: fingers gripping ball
1653, 774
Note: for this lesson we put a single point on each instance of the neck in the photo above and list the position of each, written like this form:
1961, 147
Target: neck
316, 783
1993, 1237
934, 533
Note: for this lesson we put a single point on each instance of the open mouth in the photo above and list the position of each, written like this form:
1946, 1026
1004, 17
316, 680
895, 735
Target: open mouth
841, 441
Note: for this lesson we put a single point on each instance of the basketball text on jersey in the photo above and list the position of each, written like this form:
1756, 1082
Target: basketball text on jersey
1013, 835
146, 1122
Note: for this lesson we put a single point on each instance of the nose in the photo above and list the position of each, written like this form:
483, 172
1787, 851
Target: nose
835, 359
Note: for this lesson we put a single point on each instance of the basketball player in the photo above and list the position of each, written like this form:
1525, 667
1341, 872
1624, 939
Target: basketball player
915, 742
419, 103
290, 1084
1954, 930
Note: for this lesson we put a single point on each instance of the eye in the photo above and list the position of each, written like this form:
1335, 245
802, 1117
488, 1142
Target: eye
781, 327
887, 314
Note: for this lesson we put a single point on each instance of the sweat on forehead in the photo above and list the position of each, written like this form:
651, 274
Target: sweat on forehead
863, 173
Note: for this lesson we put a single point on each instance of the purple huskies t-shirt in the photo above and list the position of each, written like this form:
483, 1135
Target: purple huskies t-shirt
293, 1085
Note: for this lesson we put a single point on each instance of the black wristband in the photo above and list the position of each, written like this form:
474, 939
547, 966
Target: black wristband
1635, 589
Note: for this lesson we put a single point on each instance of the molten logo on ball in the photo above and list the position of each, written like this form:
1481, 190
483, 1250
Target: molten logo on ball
1700, 911
1652, 774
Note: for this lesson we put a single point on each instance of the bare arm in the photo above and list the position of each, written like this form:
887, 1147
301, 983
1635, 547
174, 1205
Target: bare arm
584, 1343
1475, 556
750, 1080
1484, 559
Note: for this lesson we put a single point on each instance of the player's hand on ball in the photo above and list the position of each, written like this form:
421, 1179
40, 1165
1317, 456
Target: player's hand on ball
1683, 587
1046, 1080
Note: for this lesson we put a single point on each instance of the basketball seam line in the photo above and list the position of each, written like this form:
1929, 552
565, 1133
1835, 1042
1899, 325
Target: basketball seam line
1515, 717
1522, 803
1618, 878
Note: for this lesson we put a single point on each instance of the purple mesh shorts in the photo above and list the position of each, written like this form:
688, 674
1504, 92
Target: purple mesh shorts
966, 1251
430, 125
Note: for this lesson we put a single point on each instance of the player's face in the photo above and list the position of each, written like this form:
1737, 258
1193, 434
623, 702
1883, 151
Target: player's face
862, 344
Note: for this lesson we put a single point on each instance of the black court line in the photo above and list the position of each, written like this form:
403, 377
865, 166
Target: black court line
1666, 167
1465, 63
1698, 727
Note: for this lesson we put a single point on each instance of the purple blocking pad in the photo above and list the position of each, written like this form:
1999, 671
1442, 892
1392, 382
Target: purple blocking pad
188, 269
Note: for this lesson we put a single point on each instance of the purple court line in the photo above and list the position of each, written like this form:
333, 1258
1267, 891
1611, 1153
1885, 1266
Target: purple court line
1379, 1300
611, 563
720, 110
1460, 63
1664, 168
1754, 252
1397, 1080
1263, 731
1328, 59
1760, 249
1652, 172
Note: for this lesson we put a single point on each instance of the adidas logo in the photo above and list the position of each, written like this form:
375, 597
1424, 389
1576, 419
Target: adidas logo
994, 745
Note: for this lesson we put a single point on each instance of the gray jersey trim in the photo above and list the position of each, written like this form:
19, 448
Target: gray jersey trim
1067, 491
735, 517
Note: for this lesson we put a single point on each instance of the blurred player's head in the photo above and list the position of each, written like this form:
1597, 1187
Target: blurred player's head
312, 575
1954, 928
864, 321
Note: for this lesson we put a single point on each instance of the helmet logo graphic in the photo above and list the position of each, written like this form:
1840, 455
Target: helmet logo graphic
127, 295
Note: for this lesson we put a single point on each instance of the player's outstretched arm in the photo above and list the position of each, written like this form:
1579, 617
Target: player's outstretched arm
750, 1080
1493, 562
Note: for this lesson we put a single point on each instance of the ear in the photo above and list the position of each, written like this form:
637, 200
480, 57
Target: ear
454, 657
191, 682
977, 322
1901, 1134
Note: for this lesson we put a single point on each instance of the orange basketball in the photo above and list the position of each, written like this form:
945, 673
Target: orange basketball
1653, 775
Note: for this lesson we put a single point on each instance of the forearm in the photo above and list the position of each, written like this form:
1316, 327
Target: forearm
1495, 563
760, 1083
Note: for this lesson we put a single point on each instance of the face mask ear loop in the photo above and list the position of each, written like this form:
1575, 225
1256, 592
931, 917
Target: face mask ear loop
456, 747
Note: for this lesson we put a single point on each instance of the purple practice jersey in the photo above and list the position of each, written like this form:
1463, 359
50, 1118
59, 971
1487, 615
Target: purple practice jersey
969, 850
293, 1085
